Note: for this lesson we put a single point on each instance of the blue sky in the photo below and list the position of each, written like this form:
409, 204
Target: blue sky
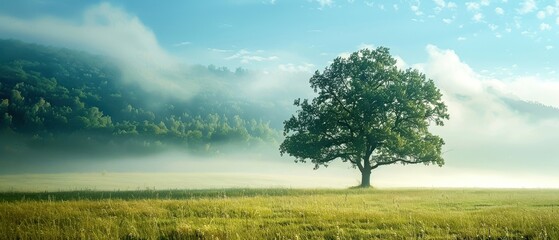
482, 55
519, 36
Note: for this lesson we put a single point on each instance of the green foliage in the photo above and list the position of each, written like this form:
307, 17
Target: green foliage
281, 214
368, 113
52, 96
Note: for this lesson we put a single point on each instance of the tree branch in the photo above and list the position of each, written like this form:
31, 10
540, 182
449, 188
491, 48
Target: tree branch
339, 101
396, 160
357, 163
344, 107
345, 124
338, 155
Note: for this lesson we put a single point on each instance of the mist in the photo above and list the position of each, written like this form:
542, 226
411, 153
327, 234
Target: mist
491, 141
486, 129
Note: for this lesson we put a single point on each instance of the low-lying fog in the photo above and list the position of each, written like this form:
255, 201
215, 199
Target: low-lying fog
177, 170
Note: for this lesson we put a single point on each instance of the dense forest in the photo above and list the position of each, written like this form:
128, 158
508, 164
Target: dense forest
66, 100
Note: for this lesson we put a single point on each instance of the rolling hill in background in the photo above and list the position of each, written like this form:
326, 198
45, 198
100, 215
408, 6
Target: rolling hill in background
70, 102
534, 110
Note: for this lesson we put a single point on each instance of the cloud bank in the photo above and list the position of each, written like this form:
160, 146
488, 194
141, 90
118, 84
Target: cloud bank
488, 126
108, 30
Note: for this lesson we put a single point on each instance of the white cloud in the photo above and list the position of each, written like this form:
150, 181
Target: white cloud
545, 27
108, 30
527, 6
472, 6
484, 3
482, 117
493, 27
359, 47
246, 57
499, 11
540, 15
344, 55
440, 3
325, 3
557, 20
181, 44
293, 68
400, 63
448, 61
415, 9
451, 5
533, 88
279, 85
447, 20
477, 17
461, 39
456, 77
366, 46
238, 54
219, 50
549, 47
550, 10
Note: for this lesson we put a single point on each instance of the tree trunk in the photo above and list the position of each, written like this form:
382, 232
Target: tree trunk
365, 178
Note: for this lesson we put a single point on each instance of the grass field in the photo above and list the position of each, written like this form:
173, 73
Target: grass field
281, 214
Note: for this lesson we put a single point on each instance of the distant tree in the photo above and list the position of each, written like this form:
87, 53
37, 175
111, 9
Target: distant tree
368, 113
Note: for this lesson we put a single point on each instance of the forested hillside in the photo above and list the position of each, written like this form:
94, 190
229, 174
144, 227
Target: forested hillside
65, 100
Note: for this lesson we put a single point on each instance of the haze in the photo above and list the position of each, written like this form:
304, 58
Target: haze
494, 61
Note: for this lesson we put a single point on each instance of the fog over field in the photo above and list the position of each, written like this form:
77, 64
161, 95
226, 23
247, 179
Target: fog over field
251, 59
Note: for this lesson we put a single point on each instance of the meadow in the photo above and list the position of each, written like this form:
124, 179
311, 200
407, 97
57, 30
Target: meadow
281, 214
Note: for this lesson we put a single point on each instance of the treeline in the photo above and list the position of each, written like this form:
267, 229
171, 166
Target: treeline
51, 95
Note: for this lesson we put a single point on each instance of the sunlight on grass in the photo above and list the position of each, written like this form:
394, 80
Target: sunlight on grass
283, 214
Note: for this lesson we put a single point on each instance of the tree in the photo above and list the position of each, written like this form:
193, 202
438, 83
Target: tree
368, 113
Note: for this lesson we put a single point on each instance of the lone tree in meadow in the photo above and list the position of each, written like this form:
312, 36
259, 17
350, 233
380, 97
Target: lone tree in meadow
368, 113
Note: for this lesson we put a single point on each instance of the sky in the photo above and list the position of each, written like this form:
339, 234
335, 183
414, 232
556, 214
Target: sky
484, 56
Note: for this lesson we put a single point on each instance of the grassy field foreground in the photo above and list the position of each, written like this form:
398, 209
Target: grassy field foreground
282, 214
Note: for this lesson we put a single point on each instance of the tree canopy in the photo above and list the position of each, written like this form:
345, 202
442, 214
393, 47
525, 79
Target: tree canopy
368, 113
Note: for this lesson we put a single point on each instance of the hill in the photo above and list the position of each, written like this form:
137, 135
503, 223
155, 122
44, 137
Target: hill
67, 101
